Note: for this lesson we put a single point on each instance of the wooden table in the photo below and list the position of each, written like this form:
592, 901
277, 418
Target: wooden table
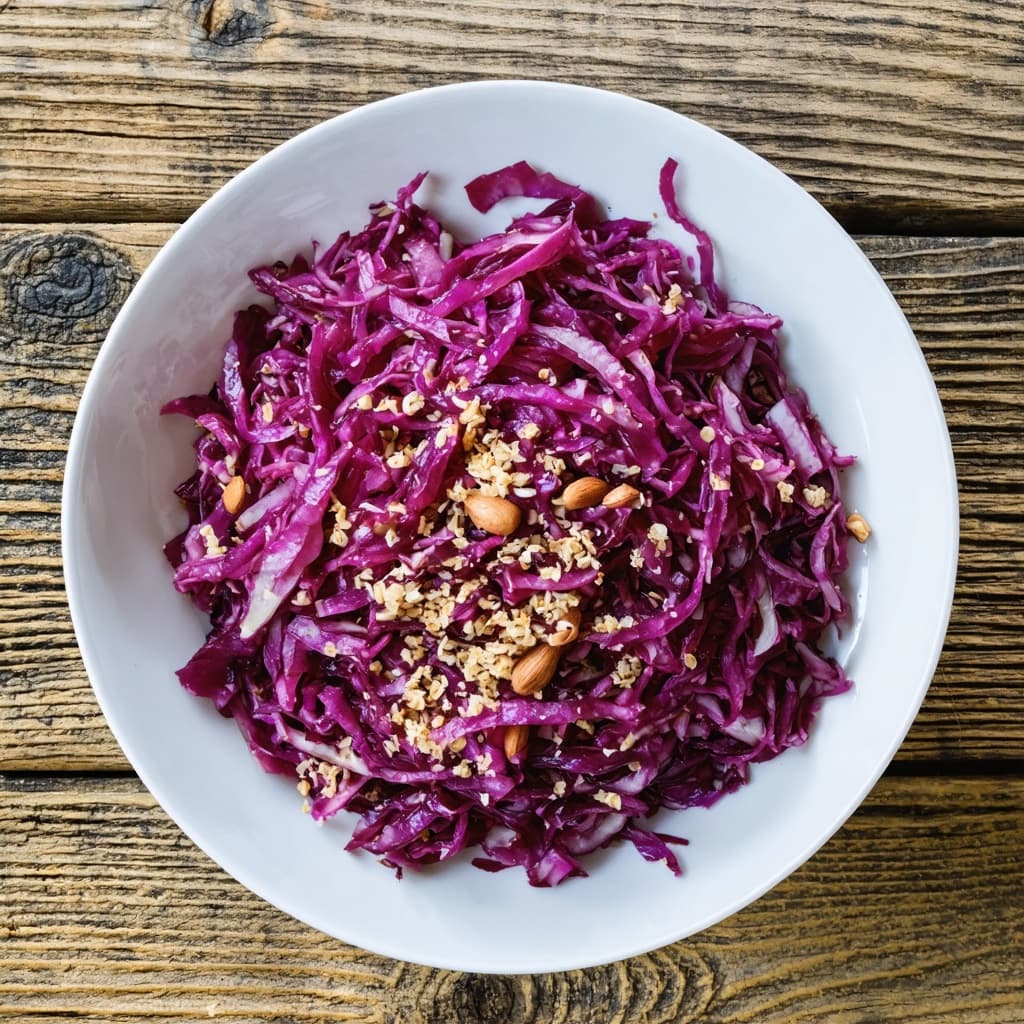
903, 117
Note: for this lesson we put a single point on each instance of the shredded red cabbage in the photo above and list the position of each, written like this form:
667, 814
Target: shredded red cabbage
364, 630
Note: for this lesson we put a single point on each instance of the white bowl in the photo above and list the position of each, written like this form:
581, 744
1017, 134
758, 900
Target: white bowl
847, 344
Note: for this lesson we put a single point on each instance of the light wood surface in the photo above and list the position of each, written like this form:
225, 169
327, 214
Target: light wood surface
903, 113
912, 912
902, 116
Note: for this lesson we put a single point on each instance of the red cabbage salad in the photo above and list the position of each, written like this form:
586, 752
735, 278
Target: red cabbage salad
510, 544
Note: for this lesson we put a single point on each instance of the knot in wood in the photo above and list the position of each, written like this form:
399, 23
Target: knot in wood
225, 24
484, 999
66, 287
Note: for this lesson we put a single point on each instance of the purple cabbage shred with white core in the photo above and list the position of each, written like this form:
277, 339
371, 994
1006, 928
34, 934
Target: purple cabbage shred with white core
363, 629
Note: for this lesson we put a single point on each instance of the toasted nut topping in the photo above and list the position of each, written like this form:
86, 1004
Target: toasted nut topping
858, 526
533, 671
516, 738
623, 496
584, 493
816, 497
569, 633
495, 515
234, 495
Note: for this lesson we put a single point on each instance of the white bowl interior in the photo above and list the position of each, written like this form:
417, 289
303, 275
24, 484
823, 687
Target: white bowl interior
847, 344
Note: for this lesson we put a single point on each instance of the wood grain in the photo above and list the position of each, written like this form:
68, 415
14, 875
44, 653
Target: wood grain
60, 287
912, 912
118, 117
897, 115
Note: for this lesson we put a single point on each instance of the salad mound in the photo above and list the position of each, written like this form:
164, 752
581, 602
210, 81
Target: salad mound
510, 544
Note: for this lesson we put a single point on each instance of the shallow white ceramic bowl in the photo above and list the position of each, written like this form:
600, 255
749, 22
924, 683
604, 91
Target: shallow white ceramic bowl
847, 344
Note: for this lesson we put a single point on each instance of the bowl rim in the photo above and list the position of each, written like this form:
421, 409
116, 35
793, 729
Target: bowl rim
74, 470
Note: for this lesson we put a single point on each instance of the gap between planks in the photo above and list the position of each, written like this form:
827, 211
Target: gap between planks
40, 779
959, 224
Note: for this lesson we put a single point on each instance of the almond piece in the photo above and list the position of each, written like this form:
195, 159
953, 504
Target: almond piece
233, 497
584, 493
516, 738
533, 671
569, 633
494, 515
623, 496
858, 526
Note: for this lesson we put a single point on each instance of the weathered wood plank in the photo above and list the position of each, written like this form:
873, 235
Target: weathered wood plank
912, 912
62, 286
899, 114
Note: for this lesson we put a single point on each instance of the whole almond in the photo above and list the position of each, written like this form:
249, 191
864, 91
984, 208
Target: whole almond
533, 671
516, 738
567, 634
494, 515
623, 496
234, 495
584, 493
